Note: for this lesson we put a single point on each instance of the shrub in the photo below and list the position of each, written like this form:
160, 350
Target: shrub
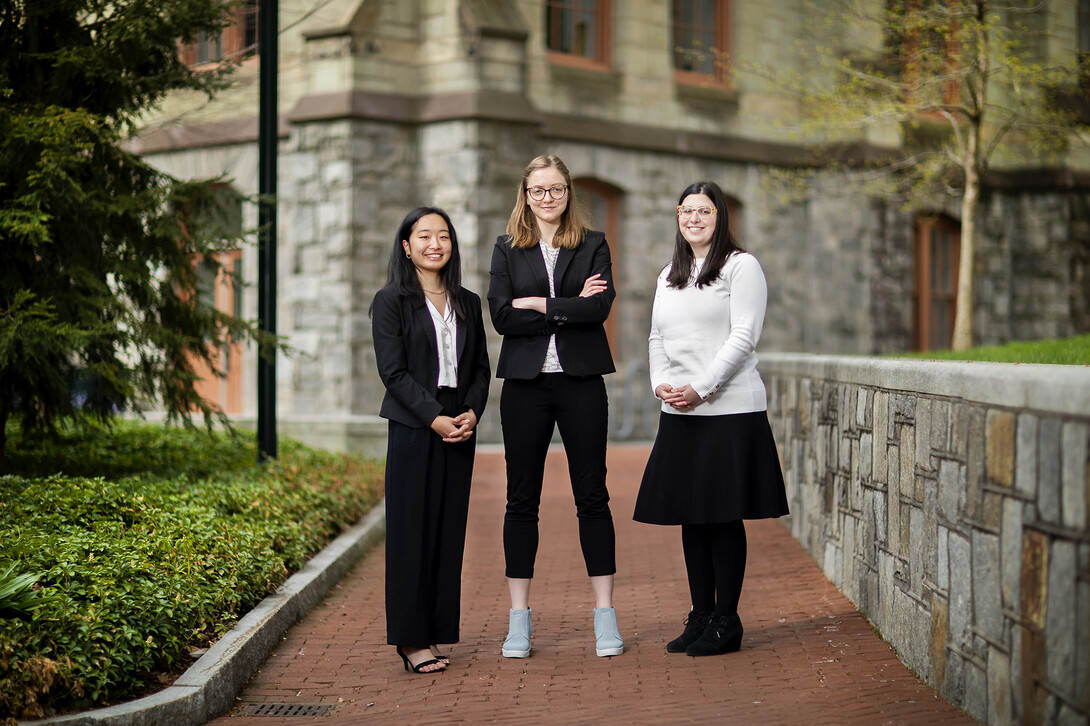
143, 568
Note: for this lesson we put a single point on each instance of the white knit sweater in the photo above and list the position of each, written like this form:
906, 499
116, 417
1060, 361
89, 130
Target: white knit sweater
707, 337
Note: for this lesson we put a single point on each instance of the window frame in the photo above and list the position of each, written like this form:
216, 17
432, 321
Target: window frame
230, 44
603, 36
723, 32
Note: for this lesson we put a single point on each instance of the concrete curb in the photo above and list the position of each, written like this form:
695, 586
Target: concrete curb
209, 687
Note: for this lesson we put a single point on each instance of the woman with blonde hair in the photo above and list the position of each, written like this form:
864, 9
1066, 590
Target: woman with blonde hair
550, 292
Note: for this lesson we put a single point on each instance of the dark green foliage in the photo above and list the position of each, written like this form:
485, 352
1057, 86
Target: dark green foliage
98, 276
143, 568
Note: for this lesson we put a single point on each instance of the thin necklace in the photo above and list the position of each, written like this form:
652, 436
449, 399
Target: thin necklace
433, 292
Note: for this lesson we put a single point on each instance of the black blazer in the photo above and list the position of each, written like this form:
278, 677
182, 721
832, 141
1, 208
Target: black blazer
408, 358
576, 321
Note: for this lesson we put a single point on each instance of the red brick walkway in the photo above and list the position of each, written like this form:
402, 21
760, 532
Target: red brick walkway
808, 656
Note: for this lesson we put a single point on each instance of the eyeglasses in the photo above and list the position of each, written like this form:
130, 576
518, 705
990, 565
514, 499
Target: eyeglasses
704, 212
538, 193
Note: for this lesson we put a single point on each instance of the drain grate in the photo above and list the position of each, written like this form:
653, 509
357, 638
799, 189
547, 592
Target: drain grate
287, 709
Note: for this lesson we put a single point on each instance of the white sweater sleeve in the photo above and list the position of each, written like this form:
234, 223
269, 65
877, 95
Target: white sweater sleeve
748, 297
657, 362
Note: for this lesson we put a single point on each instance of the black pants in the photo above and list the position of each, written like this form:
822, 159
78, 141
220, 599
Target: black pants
427, 504
715, 561
528, 411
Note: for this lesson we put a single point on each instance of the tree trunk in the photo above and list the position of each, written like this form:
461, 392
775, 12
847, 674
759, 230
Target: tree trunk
973, 168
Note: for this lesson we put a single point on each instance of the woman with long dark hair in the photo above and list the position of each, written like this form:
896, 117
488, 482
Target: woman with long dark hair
714, 462
550, 292
430, 350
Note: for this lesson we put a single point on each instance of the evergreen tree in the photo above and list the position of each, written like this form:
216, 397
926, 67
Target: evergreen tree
98, 303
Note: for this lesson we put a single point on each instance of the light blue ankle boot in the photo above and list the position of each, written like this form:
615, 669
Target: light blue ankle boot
607, 637
517, 644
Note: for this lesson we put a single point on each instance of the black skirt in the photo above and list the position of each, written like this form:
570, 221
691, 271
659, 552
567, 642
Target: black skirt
710, 469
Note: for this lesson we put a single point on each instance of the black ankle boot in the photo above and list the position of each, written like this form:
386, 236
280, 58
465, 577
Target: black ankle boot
694, 628
723, 634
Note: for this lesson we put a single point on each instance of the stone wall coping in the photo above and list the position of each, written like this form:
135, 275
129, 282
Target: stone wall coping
1058, 389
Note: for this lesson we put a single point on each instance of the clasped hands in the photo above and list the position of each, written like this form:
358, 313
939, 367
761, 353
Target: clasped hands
682, 399
594, 285
455, 429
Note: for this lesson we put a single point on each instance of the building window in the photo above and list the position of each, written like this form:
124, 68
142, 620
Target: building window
219, 286
702, 41
236, 42
577, 32
938, 245
602, 204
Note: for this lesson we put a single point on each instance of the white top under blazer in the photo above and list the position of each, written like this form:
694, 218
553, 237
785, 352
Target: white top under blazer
708, 336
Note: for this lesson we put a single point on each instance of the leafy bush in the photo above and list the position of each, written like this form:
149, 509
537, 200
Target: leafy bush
142, 569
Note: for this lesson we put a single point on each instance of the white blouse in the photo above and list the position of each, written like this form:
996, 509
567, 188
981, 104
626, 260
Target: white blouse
550, 254
707, 337
446, 340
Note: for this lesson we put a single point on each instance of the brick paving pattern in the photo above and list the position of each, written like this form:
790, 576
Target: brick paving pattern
808, 657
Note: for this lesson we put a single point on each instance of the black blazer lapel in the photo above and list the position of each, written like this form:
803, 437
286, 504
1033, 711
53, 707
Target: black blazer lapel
562, 262
426, 330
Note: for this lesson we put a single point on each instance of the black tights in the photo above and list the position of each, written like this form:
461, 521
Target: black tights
715, 559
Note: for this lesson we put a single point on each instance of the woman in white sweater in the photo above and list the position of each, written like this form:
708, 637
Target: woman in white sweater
714, 462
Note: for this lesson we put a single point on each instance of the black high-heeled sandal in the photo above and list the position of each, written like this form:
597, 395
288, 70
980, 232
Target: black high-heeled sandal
419, 666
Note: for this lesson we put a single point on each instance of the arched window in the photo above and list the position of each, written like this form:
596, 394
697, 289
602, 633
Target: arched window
938, 246
602, 204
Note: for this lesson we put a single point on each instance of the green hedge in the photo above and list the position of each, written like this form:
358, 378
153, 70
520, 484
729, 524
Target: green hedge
162, 559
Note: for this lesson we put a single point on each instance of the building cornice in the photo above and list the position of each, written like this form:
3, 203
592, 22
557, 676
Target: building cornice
504, 107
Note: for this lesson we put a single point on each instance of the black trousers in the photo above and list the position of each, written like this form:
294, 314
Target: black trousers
427, 504
529, 409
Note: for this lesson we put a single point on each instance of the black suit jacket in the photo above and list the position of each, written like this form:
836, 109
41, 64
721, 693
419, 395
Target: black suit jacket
576, 321
408, 358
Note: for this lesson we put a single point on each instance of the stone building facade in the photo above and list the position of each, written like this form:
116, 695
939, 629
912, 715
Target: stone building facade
389, 104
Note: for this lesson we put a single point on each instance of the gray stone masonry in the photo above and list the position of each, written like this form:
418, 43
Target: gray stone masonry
949, 502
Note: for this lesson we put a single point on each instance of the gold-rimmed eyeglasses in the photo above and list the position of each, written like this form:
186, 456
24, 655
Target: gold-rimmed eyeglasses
703, 212
556, 192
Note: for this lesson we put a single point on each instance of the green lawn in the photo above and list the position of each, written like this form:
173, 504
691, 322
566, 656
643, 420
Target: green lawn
146, 543
1064, 351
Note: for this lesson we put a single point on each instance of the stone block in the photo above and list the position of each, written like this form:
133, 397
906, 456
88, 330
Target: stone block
961, 591
1000, 712
975, 471
930, 531
940, 426
881, 517
917, 549
1048, 470
863, 407
906, 474
1034, 580
953, 685
1000, 447
1075, 481
1025, 456
1010, 554
987, 602
937, 642
975, 700
1060, 625
942, 574
881, 434
949, 486
893, 520
1082, 646
922, 434
866, 458
883, 614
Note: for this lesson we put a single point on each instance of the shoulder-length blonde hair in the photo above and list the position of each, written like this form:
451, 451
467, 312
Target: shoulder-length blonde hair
522, 225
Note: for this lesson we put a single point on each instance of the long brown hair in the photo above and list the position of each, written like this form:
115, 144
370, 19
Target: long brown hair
522, 225
724, 243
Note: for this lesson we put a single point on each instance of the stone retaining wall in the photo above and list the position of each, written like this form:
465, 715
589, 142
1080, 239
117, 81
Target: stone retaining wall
949, 502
